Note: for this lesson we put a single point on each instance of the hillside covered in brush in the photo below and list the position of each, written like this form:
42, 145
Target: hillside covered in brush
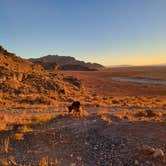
65, 63
25, 82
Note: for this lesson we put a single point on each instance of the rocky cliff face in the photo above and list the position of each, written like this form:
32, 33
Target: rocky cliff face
23, 82
66, 63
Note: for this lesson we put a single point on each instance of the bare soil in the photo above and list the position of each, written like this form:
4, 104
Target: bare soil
101, 138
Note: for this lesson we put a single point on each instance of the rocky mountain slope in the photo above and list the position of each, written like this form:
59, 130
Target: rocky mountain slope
65, 63
24, 82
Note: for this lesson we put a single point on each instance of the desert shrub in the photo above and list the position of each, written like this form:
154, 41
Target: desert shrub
125, 117
140, 114
73, 81
62, 91
146, 113
115, 102
21, 128
150, 113
98, 105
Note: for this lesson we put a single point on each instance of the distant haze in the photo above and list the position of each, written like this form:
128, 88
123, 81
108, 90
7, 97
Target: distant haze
110, 32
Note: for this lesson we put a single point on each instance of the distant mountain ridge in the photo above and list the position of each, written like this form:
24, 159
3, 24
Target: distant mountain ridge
65, 63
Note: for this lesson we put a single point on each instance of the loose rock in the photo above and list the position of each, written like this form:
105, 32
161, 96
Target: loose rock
158, 153
148, 150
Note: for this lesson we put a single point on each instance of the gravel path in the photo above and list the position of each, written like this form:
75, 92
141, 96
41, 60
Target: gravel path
90, 141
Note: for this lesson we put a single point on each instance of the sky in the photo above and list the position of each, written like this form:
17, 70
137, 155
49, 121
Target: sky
110, 32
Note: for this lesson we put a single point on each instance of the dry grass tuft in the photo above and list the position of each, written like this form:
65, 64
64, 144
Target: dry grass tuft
44, 162
18, 136
37, 119
22, 122
106, 118
5, 145
25, 128
9, 161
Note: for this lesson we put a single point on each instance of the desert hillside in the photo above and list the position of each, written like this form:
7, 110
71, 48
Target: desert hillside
65, 63
23, 82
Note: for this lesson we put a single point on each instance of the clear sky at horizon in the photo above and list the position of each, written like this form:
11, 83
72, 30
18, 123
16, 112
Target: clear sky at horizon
111, 32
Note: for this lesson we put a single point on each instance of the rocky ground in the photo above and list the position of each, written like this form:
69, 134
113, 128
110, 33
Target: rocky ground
102, 138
